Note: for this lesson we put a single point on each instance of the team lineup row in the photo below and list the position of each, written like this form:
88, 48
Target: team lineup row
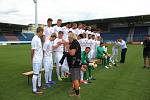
72, 50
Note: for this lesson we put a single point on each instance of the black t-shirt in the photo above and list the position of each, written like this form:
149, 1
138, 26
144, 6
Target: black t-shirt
146, 44
74, 61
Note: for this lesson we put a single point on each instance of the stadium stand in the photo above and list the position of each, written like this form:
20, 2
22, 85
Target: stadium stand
16, 36
2, 38
115, 33
140, 33
24, 36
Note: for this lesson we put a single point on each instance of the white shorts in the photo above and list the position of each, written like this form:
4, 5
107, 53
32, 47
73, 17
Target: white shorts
58, 56
114, 51
37, 68
65, 67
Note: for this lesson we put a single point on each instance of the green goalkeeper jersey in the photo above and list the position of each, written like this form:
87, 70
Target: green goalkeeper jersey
100, 52
84, 57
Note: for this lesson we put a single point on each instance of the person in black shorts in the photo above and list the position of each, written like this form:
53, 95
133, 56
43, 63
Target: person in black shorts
74, 62
146, 52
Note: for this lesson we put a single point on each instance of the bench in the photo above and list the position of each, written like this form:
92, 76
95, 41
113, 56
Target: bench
30, 74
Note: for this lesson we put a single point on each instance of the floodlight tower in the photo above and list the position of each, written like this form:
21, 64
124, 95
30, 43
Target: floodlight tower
36, 23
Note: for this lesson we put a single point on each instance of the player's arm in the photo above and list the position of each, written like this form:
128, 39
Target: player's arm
56, 45
32, 54
45, 46
120, 43
34, 45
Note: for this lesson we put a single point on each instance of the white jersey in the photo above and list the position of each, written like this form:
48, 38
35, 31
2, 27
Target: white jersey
47, 48
93, 46
57, 29
115, 45
65, 31
85, 43
89, 43
81, 42
88, 32
60, 48
38, 52
97, 34
48, 31
79, 31
82, 31
73, 30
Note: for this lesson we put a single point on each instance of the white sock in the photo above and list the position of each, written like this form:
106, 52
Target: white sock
50, 74
34, 81
62, 72
46, 77
57, 71
39, 80
82, 74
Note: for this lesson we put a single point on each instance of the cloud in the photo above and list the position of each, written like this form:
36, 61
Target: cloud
22, 11
10, 11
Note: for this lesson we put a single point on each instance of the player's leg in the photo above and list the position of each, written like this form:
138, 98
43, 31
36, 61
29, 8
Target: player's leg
39, 75
35, 77
58, 65
46, 71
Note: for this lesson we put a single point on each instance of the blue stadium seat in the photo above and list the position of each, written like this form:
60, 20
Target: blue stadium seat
140, 33
2, 38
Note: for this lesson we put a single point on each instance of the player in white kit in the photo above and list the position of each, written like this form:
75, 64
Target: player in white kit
58, 48
48, 30
37, 57
114, 52
73, 29
58, 27
48, 60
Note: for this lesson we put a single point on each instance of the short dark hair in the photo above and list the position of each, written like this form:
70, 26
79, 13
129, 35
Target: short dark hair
101, 43
68, 23
39, 29
53, 35
87, 48
80, 35
59, 20
49, 19
60, 32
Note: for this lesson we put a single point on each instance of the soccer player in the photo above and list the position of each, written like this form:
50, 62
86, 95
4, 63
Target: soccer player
93, 47
58, 48
48, 60
101, 55
73, 29
36, 57
85, 61
48, 30
87, 73
65, 30
114, 53
81, 41
79, 29
58, 27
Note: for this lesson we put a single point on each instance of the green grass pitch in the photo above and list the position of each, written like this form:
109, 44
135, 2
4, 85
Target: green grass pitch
128, 81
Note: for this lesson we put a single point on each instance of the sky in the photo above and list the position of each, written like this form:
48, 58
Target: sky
22, 11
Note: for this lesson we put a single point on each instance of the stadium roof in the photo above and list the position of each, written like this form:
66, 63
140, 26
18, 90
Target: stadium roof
139, 18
